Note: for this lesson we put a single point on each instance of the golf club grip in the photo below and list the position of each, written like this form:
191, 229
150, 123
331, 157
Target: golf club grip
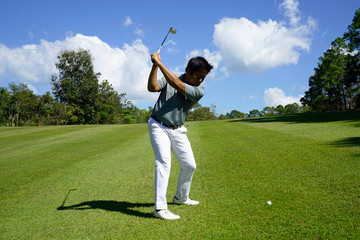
158, 51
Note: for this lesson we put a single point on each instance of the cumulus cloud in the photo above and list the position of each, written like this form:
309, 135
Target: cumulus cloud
291, 10
255, 47
29, 63
275, 96
214, 58
126, 68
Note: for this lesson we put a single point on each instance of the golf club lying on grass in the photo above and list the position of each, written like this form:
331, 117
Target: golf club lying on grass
173, 31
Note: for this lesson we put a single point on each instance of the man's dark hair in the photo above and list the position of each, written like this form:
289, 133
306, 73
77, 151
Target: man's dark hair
197, 63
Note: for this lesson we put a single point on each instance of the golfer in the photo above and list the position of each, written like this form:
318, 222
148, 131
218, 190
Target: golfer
166, 130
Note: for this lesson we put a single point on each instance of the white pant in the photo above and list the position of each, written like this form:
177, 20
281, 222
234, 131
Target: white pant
163, 140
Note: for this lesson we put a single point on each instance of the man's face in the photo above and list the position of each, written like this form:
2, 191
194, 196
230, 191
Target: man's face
196, 78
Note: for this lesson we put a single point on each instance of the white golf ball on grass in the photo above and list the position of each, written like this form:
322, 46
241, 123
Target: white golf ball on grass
268, 202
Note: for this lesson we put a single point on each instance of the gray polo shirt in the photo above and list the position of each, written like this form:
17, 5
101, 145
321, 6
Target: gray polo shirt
172, 107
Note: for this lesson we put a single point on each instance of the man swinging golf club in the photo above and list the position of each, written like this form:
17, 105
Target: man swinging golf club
166, 130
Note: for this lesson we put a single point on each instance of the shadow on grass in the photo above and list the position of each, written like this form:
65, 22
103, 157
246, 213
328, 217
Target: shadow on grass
112, 206
353, 116
347, 142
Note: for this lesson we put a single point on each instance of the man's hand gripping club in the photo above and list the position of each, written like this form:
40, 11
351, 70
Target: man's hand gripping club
171, 78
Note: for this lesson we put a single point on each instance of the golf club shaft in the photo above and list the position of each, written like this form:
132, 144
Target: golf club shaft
163, 42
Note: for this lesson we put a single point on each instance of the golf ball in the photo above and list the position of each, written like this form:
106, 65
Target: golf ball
268, 202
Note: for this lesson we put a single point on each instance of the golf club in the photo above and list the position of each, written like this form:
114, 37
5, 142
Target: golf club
173, 31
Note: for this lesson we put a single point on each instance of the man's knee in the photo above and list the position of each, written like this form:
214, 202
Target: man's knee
191, 166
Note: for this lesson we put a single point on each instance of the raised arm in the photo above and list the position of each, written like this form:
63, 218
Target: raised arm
171, 78
153, 85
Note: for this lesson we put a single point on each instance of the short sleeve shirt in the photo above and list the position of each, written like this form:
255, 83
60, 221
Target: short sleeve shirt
172, 107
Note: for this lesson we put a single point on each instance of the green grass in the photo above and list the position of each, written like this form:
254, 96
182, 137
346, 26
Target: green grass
307, 165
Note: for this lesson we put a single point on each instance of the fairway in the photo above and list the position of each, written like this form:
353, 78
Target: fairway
96, 181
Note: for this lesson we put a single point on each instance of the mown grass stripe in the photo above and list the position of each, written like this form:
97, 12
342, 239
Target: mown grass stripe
300, 165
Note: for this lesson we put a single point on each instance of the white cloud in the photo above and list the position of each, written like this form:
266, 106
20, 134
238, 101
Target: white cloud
256, 47
213, 58
253, 96
291, 11
126, 69
32, 88
171, 47
275, 96
127, 21
30, 63
139, 32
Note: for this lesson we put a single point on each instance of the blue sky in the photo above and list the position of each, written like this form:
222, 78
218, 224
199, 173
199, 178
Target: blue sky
263, 51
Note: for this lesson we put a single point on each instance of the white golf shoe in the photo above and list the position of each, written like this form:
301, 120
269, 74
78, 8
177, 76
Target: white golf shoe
165, 214
185, 202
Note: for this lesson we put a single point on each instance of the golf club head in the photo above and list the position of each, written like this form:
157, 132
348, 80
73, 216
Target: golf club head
173, 31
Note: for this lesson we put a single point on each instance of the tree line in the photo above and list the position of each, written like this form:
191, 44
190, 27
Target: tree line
19, 106
335, 86
78, 98
288, 109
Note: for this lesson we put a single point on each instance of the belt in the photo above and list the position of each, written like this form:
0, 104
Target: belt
173, 127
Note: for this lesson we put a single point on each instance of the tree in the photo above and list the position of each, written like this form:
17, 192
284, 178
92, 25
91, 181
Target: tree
327, 90
255, 113
21, 105
62, 113
77, 85
352, 75
223, 117
280, 110
110, 103
353, 33
199, 113
292, 108
213, 109
236, 114
5, 99
268, 111
336, 82
44, 109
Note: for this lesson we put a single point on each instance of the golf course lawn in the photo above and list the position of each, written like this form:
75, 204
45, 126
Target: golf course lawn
97, 181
